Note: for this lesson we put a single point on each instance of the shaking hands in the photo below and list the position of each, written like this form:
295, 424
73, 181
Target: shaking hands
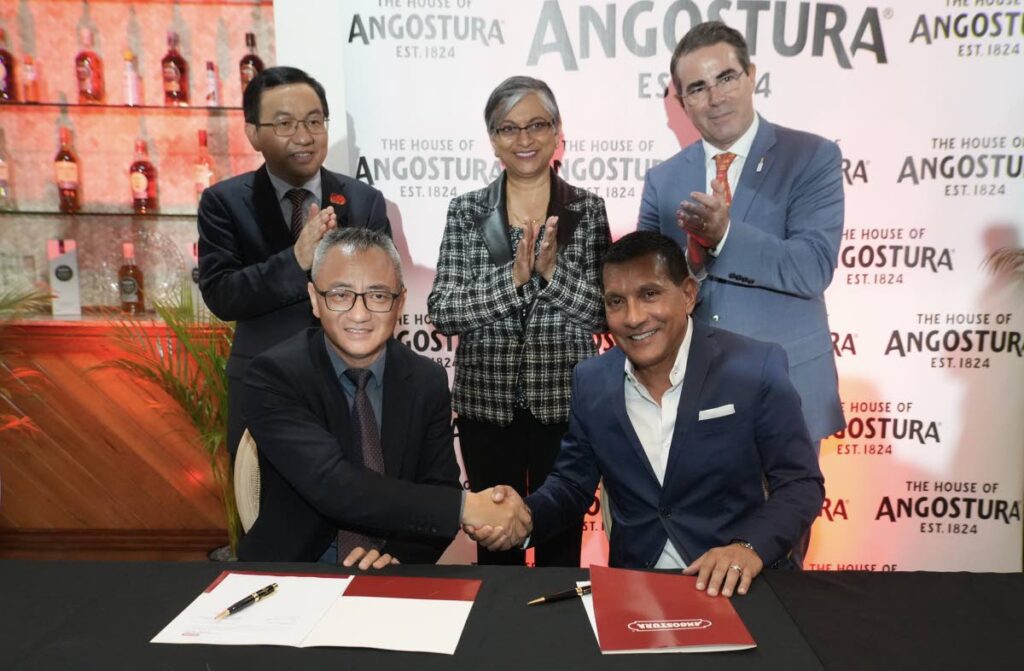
497, 518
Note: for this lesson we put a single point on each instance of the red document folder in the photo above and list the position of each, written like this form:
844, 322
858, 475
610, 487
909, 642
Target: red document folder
638, 611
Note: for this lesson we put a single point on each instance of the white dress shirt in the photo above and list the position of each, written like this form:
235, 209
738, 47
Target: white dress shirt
655, 425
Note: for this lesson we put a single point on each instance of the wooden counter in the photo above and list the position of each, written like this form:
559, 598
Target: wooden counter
94, 463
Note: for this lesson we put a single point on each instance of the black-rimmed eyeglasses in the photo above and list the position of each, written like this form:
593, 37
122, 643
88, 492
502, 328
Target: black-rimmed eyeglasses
343, 300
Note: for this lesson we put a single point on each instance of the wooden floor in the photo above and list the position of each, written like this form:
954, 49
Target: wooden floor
95, 464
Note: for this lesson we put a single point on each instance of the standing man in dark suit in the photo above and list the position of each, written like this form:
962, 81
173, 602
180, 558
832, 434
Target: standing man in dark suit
696, 431
759, 209
257, 231
353, 429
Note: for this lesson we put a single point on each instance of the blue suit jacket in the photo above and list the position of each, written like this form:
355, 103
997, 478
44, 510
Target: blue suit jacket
717, 469
786, 224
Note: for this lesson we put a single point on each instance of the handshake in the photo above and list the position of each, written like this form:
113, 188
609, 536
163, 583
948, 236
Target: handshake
497, 518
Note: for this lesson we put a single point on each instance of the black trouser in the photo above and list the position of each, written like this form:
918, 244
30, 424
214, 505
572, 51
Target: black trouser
519, 455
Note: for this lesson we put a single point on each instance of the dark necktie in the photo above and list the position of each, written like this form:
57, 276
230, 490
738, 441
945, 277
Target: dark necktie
297, 197
368, 438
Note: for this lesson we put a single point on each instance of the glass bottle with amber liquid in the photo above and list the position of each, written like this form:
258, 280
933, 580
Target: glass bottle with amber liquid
202, 167
65, 168
251, 64
8, 90
142, 176
175, 70
130, 282
89, 71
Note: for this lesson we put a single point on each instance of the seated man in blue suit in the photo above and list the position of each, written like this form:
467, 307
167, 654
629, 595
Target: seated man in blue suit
696, 431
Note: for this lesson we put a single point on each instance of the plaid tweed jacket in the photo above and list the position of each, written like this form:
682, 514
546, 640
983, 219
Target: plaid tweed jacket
474, 296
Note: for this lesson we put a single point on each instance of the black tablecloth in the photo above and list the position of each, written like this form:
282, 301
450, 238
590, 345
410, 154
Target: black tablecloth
101, 615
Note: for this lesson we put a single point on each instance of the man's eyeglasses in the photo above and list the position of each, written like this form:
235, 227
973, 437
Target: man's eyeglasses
343, 300
537, 130
315, 125
726, 83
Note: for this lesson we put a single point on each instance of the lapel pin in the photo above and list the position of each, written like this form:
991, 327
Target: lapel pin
339, 199
760, 164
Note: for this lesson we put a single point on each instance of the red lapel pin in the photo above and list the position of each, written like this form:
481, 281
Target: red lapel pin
337, 199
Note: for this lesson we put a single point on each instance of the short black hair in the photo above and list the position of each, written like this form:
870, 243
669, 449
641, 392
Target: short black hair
708, 34
639, 244
272, 77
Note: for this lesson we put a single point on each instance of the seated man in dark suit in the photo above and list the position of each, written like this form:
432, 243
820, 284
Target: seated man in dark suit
257, 231
697, 433
353, 429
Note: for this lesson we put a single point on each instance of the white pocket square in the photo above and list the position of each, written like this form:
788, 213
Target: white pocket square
714, 413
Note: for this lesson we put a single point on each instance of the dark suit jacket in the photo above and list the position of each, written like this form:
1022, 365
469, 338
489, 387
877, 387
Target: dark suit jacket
312, 477
247, 269
786, 223
712, 491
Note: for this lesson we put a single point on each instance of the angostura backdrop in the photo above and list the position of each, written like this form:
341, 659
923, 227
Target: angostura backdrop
925, 101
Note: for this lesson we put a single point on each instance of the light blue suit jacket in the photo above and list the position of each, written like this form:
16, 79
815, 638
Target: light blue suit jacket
786, 224
713, 489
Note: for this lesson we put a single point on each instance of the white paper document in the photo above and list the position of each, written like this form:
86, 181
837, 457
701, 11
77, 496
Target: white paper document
384, 612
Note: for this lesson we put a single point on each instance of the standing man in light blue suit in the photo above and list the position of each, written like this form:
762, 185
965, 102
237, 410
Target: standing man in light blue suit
759, 210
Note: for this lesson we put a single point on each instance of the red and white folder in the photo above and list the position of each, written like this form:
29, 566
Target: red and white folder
638, 611
365, 611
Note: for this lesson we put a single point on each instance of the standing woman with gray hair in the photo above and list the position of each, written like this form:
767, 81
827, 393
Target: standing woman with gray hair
517, 281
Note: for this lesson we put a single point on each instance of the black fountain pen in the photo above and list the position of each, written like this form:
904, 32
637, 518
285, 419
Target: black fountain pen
247, 601
561, 596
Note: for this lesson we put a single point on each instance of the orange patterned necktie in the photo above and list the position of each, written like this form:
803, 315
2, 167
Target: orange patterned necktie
722, 163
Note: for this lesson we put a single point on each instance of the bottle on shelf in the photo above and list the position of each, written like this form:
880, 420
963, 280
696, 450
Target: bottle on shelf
212, 86
202, 167
8, 87
131, 282
6, 196
65, 165
142, 176
175, 70
89, 70
251, 64
30, 83
132, 83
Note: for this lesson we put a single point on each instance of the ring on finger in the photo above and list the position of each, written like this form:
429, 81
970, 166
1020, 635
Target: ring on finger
736, 567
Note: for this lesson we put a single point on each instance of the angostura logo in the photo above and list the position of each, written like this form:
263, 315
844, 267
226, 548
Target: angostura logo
668, 625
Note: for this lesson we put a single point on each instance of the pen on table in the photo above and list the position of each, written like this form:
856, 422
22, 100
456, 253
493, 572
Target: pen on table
560, 596
247, 601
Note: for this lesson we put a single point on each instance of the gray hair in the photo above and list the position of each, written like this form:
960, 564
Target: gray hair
353, 240
508, 94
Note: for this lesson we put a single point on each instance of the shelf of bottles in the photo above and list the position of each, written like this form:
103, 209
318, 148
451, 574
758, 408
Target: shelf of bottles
109, 139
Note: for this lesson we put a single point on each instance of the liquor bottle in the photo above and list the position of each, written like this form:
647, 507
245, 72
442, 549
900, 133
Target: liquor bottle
8, 88
6, 197
132, 84
251, 64
65, 165
131, 282
175, 74
212, 86
30, 85
89, 70
142, 176
202, 167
